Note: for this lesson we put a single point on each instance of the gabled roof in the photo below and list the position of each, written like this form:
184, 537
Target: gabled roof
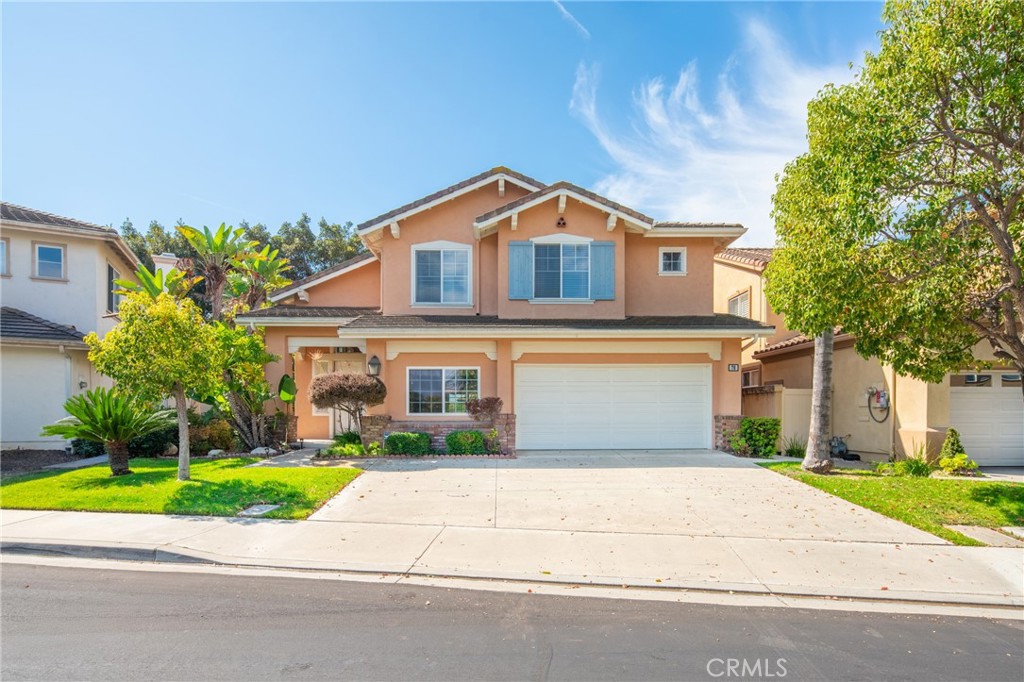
758, 257
17, 324
467, 185
33, 218
558, 189
344, 266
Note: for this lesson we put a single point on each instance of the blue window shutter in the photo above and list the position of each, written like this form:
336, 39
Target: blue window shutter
520, 270
602, 271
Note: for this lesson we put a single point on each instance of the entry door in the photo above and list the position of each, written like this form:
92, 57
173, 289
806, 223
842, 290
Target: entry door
613, 406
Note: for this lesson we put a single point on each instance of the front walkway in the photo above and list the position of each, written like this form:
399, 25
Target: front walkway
695, 520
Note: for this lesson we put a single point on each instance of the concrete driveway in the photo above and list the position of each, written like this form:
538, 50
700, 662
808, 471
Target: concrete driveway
697, 493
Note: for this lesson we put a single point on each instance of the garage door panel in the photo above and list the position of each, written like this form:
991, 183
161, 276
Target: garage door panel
613, 406
990, 420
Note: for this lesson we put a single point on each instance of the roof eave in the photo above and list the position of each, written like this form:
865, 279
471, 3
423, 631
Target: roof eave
549, 332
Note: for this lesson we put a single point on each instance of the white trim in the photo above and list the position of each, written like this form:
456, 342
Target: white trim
443, 412
738, 297
112, 238
561, 238
710, 231
479, 226
561, 301
447, 197
291, 290
298, 342
662, 250
713, 349
63, 260
395, 348
442, 246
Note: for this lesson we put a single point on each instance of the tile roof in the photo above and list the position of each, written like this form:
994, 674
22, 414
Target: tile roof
758, 256
18, 324
22, 214
446, 191
563, 185
366, 318
297, 284
677, 223
794, 341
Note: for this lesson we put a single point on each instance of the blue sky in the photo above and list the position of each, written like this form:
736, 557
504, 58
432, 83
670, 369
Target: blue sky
220, 112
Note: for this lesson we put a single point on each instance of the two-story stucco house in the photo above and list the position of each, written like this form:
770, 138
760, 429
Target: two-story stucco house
56, 285
593, 322
880, 411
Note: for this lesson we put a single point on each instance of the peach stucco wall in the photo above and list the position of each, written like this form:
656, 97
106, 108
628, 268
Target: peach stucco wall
451, 221
650, 293
582, 221
731, 279
359, 288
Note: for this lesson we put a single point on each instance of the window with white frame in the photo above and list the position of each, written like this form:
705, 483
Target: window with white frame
113, 298
561, 271
5, 264
442, 390
49, 261
740, 304
441, 274
672, 260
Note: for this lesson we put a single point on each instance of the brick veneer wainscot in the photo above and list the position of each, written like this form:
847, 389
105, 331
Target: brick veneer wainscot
376, 428
725, 424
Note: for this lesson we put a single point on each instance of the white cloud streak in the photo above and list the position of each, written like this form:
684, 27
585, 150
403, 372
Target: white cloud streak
685, 159
567, 15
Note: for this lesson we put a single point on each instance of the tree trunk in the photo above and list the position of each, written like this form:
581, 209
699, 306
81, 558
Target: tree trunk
183, 453
118, 454
818, 457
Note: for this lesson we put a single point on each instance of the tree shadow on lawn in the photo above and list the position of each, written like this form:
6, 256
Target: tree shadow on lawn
227, 498
1006, 499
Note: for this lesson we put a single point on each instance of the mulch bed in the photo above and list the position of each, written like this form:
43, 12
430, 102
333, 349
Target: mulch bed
15, 462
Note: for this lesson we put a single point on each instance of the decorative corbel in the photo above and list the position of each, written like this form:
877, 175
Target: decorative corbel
515, 221
501, 187
612, 219
561, 203
395, 229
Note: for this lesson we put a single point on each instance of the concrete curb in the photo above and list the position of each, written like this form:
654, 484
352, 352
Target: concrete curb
160, 554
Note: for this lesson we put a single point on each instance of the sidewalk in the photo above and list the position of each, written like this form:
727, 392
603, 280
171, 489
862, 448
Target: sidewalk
936, 573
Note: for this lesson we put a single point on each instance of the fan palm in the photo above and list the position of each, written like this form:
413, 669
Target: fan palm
103, 416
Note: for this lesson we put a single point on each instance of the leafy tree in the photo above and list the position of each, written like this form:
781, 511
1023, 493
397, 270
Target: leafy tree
161, 347
245, 388
297, 243
922, 159
351, 393
104, 416
335, 243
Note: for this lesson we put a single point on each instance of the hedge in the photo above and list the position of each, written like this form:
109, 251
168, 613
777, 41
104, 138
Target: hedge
468, 442
407, 443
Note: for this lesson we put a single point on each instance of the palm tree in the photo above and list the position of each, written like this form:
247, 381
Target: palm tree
818, 456
175, 282
255, 277
218, 254
103, 416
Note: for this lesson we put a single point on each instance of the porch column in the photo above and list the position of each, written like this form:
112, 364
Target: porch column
504, 373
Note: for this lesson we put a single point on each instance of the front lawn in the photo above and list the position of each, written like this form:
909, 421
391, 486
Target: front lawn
925, 503
221, 487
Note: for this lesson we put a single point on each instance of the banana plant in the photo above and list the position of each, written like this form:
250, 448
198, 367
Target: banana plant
175, 282
218, 253
256, 276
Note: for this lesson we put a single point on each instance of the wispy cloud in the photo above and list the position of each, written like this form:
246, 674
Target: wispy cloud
688, 159
567, 15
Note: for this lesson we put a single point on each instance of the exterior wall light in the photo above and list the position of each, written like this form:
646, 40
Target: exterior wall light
373, 366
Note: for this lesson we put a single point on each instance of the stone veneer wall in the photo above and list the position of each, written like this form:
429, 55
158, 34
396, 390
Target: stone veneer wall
376, 428
725, 424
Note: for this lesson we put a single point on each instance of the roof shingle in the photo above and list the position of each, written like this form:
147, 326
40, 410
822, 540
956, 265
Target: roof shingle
18, 324
32, 216
757, 256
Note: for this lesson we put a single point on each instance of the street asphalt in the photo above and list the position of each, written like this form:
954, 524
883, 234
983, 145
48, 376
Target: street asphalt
75, 623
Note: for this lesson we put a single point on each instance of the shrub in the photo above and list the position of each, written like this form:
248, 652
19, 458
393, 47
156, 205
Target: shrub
912, 466
87, 448
344, 450
958, 465
407, 443
794, 447
492, 442
155, 444
351, 393
217, 434
348, 438
738, 444
760, 434
469, 442
951, 446
484, 409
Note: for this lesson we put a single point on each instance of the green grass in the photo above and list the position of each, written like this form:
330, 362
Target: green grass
219, 487
925, 503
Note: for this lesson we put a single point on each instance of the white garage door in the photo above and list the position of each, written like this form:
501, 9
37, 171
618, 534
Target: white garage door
988, 411
613, 406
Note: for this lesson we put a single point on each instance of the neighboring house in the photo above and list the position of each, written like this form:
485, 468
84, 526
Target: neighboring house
984, 406
591, 321
56, 285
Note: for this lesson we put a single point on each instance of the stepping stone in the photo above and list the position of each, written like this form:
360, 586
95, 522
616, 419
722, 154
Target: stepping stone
258, 509
989, 536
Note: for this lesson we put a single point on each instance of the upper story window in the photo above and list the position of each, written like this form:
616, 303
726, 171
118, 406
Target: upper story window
113, 298
49, 261
561, 271
5, 255
672, 260
441, 274
740, 304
